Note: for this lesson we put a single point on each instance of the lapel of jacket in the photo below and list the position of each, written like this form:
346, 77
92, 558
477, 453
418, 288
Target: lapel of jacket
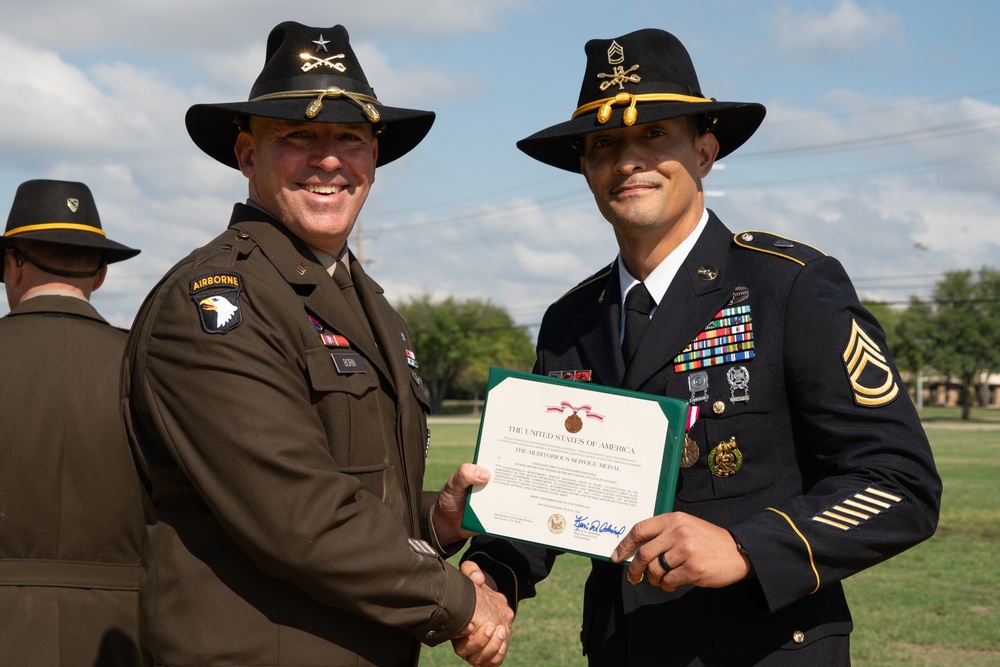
688, 305
597, 330
379, 313
299, 268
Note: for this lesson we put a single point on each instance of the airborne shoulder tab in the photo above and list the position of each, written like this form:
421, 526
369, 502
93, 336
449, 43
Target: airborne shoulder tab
772, 244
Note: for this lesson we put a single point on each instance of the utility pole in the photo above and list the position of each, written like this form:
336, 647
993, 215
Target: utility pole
921, 249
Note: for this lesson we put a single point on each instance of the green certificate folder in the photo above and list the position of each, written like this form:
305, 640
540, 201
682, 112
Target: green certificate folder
574, 466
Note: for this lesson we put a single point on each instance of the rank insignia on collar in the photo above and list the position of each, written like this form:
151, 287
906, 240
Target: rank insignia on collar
868, 370
217, 298
728, 338
857, 509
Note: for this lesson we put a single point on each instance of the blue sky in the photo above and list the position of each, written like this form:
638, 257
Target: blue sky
882, 132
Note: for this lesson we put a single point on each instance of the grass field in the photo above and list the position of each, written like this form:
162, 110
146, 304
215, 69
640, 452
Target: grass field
936, 604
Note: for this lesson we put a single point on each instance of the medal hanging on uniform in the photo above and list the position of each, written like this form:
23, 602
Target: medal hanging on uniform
690, 453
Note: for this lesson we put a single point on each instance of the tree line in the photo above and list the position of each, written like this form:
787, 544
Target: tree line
955, 334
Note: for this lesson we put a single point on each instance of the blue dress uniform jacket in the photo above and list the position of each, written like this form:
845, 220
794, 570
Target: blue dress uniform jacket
70, 512
282, 450
836, 473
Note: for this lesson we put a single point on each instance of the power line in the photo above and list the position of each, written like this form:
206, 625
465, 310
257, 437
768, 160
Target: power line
878, 141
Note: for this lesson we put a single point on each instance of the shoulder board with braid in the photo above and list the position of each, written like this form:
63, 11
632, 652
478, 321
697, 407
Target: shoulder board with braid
779, 246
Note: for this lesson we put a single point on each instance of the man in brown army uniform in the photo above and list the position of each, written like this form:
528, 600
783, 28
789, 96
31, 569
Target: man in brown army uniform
275, 411
70, 511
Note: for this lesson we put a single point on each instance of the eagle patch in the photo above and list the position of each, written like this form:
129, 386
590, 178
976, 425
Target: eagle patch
217, 298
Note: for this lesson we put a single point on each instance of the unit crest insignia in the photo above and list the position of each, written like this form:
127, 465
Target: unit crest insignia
868, 370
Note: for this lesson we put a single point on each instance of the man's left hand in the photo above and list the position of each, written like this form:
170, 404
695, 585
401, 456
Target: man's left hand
696, 551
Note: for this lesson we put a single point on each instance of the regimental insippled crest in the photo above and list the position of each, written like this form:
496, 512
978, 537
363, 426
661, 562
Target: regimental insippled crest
868, 370
312, 62
619, 76
73, 204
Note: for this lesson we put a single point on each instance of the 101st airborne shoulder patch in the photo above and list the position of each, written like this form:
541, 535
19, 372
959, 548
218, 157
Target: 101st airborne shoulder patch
868, 370
217, 298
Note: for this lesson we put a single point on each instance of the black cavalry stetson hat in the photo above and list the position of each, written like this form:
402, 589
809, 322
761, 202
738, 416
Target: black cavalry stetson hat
642, 77
309, 74
61, 212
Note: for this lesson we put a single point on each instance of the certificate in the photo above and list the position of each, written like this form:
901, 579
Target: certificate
574, 466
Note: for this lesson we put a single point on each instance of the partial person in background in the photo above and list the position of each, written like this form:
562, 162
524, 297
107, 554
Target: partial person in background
805, 463
70, 511
276, 415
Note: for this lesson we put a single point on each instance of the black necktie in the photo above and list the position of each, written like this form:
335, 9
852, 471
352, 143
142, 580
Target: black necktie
638, 303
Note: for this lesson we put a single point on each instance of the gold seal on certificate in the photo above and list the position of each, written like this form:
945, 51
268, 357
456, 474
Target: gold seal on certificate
574, 466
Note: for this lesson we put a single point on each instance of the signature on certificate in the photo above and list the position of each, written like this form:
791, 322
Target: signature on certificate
597, 526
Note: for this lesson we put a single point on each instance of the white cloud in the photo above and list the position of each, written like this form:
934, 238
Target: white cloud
846, 30
222, 25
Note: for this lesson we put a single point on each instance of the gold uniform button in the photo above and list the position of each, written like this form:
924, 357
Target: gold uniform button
798, 636
718, 407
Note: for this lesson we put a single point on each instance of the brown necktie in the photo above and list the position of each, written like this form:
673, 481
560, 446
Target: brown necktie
342, 277
638, 303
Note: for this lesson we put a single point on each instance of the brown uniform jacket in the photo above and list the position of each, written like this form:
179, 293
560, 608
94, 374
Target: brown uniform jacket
70, 513
282, 452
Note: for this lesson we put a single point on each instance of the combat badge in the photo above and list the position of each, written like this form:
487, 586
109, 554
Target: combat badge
868, 370
726, 459
217, 298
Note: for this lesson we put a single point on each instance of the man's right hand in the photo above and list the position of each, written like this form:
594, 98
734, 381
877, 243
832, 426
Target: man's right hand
484, 641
